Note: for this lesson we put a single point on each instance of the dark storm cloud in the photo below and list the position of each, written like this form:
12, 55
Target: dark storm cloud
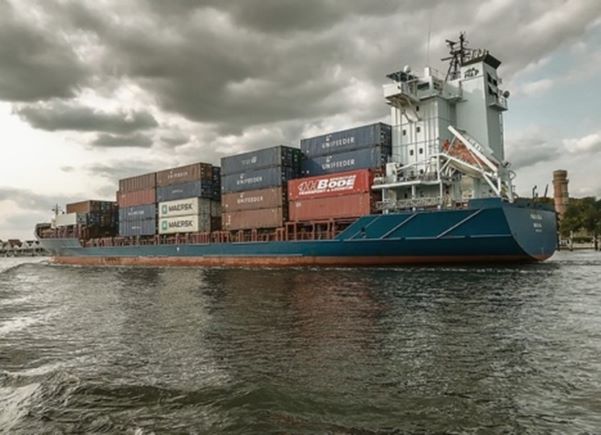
175, 139
116, 170
58, 115
236, 65
35, 62
119, 141
29, 200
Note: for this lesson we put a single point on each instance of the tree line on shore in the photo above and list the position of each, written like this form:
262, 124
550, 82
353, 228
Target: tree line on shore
583, 215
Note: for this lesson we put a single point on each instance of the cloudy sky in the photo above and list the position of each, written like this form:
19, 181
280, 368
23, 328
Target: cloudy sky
91, 91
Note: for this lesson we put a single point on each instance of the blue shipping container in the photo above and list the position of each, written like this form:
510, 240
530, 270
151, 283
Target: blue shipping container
267, 157
258, 179
138, 227
200, 188
147, 211
366, 158
342, 141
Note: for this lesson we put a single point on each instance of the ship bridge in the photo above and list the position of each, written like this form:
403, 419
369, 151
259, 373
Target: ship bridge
431, 111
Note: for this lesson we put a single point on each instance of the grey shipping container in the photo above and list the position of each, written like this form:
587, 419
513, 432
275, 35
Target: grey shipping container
258, 179
147, 211
264, 158
137, 227
366, 158
201, 189
346, 140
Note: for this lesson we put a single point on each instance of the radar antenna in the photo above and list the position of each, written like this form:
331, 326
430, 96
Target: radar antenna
458, 51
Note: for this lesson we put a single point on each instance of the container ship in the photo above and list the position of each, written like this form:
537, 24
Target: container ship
433, 186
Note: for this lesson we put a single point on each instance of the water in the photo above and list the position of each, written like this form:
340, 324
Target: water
394, 350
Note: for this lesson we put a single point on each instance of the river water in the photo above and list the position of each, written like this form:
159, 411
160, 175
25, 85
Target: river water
393, 350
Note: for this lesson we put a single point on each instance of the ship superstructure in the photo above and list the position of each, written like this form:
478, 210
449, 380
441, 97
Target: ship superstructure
447, 134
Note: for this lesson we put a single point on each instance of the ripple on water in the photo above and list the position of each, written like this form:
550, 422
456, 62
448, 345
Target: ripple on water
508, 349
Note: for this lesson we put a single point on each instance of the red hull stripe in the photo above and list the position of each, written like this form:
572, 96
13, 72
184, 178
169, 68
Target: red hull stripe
284, 261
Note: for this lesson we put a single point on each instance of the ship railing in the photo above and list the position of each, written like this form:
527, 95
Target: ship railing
410, 203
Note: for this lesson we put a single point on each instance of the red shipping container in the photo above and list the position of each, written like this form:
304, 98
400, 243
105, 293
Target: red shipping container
254, 199
140, 182
328, 185
250, 219
337, 207
138, 197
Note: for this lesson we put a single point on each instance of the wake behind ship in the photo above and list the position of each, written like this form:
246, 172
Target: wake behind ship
432, 187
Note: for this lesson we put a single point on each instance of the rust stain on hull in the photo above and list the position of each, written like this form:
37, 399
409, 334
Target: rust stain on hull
285, 261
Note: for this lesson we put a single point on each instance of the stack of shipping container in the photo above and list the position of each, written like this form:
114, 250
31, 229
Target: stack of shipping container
254, 187
366, 147
96, 218
189, 199
339, 169
137, 205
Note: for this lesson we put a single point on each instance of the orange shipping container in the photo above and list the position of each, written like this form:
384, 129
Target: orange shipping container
328, 185
338, 207
253, 199
250, 219
138, 183
138, 197
185, 174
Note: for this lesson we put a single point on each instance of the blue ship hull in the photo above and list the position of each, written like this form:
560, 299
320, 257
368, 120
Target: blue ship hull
488, 230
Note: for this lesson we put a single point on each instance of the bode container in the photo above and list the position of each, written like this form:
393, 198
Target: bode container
138, 227
337, 207
185, 207
254, 199
184, 174
147, 211
274, 176
321, 186
185, 224
137, 197
254, 219
366, 136
200, 188
140, 182
264, 158
366, 158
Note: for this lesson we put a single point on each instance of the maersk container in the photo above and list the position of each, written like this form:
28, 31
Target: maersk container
185, 207
137, 227
272, 197
139, 182
264, 158
147, 211
258, 179
366, 136
337, 207
185, 174
366, 158
254, 219
185, 224
200, 188
339, 183
138, 197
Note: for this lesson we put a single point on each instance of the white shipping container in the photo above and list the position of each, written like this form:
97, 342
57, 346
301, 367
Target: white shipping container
68, 219
185, 207
185, 224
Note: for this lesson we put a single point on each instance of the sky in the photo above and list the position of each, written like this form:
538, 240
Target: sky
91, 92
